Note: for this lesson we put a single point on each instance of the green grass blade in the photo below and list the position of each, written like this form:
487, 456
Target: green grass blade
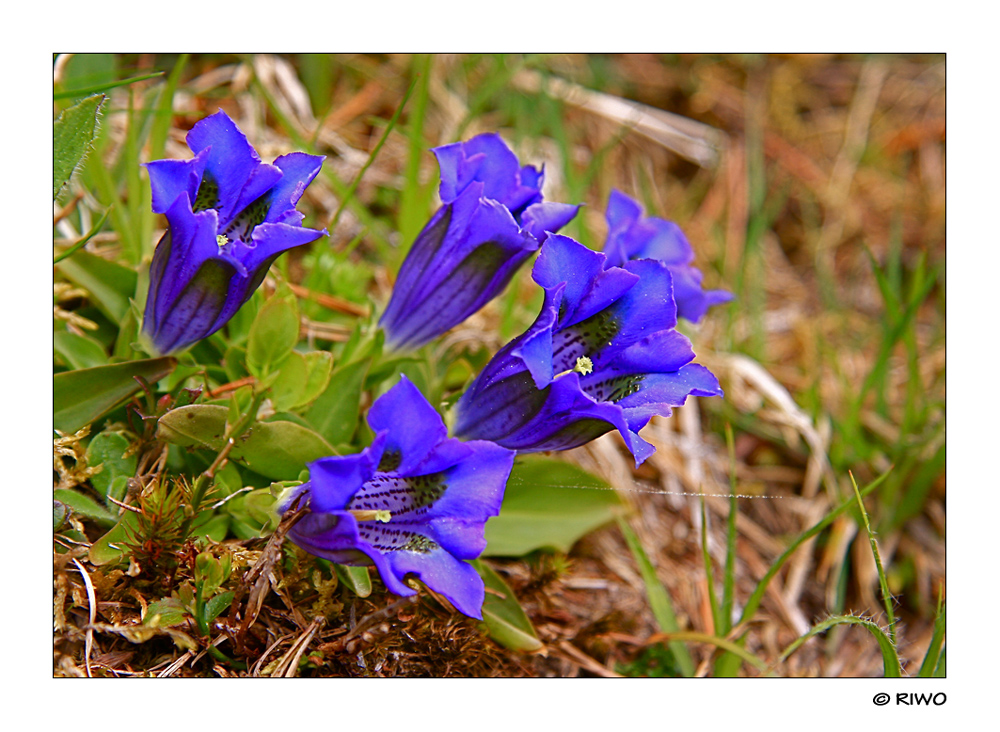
758, 594
413, 202
70, 93
164, 111
940, 669
374, 226
659, 599
890, 659
935, 651
883, 582
726, 645
139, 200
713, 599
729, 580
371, 157
83, 240
99, 178
728, 664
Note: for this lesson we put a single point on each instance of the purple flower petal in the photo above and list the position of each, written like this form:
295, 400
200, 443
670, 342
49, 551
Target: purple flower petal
436, 492
602, 355
492, 220
229, 216
630, 236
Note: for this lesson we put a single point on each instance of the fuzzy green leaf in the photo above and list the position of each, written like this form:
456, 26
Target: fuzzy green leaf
72, 138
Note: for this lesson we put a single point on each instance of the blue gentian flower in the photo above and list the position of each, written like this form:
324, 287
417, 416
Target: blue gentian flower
603, 354
228, 217
492, 219
414, 501
633, 236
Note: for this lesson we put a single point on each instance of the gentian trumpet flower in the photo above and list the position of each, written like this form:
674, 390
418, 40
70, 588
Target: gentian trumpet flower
633, 236
414, 501
492, 219
229, 216
603, 354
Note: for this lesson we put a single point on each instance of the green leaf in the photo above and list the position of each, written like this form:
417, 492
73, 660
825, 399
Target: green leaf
288, 388
503, 616
234, 363
548, 504
659, 599
72, 138
79, 351
217, 605
260, 506
273, 335
107, 449
319, 365
334, 414
890, 660
110, 285
165, 613
80, 397
85, 506
128, 333
60, 513
277, 450
936, 647
208, 573
214, 527
111, 547
356, 578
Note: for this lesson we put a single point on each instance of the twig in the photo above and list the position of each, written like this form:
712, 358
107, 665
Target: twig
232, 386
330, 302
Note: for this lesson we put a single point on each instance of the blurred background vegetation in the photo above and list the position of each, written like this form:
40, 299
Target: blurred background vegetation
812, 186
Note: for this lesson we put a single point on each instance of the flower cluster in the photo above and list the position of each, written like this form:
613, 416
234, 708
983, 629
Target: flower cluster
229, 216
602, 355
